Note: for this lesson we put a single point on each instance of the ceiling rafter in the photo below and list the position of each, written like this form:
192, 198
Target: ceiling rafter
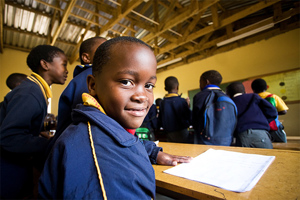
223, 22
183, 30
203, 45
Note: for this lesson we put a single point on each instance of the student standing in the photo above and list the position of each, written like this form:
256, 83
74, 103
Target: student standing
99, 156
174, 113
22, 119
254, 116
222, 125
259, 86
71, 96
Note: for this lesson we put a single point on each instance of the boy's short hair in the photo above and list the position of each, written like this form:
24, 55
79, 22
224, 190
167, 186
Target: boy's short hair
15, 79
42, 52
87, 45
234, 88
158, 101
213, 76
102, 55
259, 85
171, 82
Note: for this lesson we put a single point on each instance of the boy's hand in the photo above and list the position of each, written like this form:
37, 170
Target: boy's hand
171, 160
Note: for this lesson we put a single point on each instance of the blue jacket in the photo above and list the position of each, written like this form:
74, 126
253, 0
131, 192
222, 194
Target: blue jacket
21, 121
174, 114
71, 96
125, 167
253, 112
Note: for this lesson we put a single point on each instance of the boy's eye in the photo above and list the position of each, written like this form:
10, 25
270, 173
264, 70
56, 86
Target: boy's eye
126, 82
150, 86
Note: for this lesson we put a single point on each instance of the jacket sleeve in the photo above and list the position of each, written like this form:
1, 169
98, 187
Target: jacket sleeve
152, 150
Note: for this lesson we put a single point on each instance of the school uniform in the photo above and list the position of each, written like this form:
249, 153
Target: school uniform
175, 117
71, 96
124, 166
21, 121
254, 115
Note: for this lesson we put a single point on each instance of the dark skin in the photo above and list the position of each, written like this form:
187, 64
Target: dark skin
124, 88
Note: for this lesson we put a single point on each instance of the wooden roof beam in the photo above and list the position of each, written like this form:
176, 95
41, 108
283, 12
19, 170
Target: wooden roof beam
116, 19
224, 22
180, 18
64, 20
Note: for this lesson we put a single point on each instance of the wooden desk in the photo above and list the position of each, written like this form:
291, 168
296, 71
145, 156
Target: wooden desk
281, 180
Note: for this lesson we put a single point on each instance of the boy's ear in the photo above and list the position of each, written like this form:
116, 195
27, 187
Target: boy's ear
86, 58
91, 85
44, 65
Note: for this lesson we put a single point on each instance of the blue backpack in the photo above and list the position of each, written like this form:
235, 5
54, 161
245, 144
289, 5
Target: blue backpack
220, 119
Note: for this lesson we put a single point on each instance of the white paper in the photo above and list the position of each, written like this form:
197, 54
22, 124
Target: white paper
238, 172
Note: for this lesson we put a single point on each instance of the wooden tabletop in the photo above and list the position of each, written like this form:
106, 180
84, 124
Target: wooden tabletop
281, 180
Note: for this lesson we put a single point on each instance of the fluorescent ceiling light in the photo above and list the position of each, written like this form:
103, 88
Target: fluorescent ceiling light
252, 32
169, 62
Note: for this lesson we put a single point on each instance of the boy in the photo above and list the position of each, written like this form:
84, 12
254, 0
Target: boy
277, 133
174, 113
223, 127
254, 115
22, 119
71, 96
13, 81
99, 156
259, 86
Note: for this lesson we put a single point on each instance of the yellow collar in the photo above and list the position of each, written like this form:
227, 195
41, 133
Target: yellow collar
45, 88
89, 100
172, 95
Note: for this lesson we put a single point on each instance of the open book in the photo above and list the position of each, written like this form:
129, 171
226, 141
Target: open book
238, 172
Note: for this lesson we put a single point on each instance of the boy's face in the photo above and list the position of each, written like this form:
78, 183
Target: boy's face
58, 72
124, 88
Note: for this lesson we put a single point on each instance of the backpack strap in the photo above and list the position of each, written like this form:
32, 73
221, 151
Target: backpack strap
208, 101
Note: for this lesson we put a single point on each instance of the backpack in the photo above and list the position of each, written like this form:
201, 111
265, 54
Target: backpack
276, 128
220, 119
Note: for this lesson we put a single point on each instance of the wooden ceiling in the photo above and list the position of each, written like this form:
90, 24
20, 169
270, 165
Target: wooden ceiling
180, 31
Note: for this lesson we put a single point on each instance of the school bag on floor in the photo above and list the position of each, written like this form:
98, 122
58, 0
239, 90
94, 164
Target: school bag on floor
220, 119
276, 128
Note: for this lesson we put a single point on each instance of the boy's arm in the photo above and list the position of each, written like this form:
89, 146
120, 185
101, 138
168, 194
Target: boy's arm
280, 105
158, 157
268, 109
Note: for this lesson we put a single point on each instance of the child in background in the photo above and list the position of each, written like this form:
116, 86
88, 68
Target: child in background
174, 113
99, 156
277, 132
13, 81
22, 119
71, 96
254, 115
224, 127
259, 86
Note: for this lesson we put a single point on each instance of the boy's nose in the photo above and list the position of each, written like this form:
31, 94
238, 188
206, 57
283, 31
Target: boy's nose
140, 97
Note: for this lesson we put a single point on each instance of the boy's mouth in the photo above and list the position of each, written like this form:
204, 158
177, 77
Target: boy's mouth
137, 112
